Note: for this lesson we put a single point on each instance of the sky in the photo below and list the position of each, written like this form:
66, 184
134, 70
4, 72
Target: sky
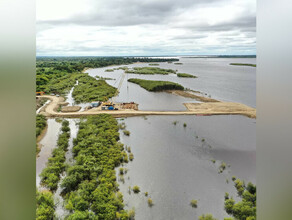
145, 27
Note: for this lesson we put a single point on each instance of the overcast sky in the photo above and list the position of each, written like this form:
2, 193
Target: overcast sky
145, 27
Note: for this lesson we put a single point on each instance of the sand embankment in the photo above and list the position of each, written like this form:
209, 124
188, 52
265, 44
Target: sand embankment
210, 108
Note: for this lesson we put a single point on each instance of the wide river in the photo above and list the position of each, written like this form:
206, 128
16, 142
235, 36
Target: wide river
215, 78
171, 162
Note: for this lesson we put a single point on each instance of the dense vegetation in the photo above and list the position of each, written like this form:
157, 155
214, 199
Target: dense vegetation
150, 70
242, 210
50, 175
152, 85
90, 187
245, 209
186, 75
41, 123
243, 64
45, 205
90, 89
52, 68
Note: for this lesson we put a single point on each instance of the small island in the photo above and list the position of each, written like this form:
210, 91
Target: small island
154, 86
153, 64
150, 71
186, 75
243, 64
178, 63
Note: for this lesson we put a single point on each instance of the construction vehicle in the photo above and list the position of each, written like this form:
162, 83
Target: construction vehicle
40, 93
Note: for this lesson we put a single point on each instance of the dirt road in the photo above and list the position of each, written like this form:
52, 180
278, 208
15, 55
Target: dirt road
210, 108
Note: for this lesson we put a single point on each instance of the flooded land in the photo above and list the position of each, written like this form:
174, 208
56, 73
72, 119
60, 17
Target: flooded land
176, 158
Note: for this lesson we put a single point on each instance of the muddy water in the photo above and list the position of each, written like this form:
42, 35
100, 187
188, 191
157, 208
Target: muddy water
174, 166
70, 99
48, 143
215, 78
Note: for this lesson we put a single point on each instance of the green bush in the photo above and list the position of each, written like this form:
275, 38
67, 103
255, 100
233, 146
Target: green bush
194, 203
41, 123
126, 132
131, 156
45, 206
150, 202
136, 189
207, 217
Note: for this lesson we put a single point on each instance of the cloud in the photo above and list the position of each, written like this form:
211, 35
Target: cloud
150, 27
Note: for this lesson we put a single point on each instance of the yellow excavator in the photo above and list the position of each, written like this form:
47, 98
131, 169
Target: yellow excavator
40, 93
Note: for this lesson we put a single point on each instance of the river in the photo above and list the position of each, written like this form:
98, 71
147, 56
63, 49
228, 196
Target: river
172, 162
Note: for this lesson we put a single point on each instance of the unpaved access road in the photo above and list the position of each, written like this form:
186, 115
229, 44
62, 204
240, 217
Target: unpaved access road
210, 108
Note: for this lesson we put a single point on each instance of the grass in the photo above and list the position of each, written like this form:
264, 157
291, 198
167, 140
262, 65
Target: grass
149, 71
194, 203
243, 64
109, 70
186, 75
154, 86
136, 189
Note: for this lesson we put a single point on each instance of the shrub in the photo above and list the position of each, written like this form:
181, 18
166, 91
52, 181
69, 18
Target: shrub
207, 217
185, 124
131, 156
136, 189
146, 193
150, 202
126, 132
194, 203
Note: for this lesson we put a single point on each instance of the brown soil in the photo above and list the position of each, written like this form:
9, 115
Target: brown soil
70, 109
